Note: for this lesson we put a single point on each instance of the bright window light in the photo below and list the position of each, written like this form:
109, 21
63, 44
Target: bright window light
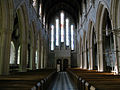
52, 37
34, 3
18, 60
67, 32
40, 10
12, 53
72, 37
62, 27
57, 32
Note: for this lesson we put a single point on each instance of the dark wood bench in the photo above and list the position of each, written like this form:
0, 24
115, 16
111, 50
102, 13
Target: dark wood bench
93, 80
31, 80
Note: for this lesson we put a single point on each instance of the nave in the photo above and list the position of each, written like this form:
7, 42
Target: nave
62, 81
40, 37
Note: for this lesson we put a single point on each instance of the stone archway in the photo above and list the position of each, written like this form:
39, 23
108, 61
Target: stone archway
103, 27
23, 29
92, 46
108, 42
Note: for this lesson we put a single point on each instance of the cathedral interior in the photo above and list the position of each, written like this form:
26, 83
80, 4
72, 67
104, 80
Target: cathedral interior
59, 44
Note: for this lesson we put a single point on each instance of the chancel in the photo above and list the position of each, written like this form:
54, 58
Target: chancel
59, 44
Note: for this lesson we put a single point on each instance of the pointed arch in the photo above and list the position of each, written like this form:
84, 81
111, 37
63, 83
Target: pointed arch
23, 29
115, 8
103, 15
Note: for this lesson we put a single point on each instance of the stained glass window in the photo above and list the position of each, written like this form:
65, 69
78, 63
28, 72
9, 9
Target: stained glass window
52, 37
67, 32
62, 27
72, 37
57, 32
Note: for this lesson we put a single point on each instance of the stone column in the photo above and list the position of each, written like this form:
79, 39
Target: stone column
32, 59
100, 56
23, 56
5, 42
39, 50
81, 60
91, 59
42, 56
117, 52
85, 60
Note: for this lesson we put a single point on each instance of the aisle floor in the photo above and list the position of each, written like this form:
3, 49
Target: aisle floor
62, 82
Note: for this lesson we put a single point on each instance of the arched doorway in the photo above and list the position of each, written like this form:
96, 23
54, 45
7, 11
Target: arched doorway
59, 65
65, 64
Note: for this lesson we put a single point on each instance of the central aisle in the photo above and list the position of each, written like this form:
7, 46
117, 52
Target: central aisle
62, 82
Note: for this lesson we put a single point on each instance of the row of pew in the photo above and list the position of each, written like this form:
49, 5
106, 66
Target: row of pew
31, 80
94, 80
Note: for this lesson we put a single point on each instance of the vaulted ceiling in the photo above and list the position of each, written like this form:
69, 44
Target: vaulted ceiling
51, 7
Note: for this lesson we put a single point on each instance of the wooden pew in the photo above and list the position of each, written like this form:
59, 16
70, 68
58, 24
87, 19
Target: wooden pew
31, 80
105, 87
93, 80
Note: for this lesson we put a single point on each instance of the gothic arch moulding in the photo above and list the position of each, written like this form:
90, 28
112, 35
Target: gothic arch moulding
115, 13
102, 14
90, 44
